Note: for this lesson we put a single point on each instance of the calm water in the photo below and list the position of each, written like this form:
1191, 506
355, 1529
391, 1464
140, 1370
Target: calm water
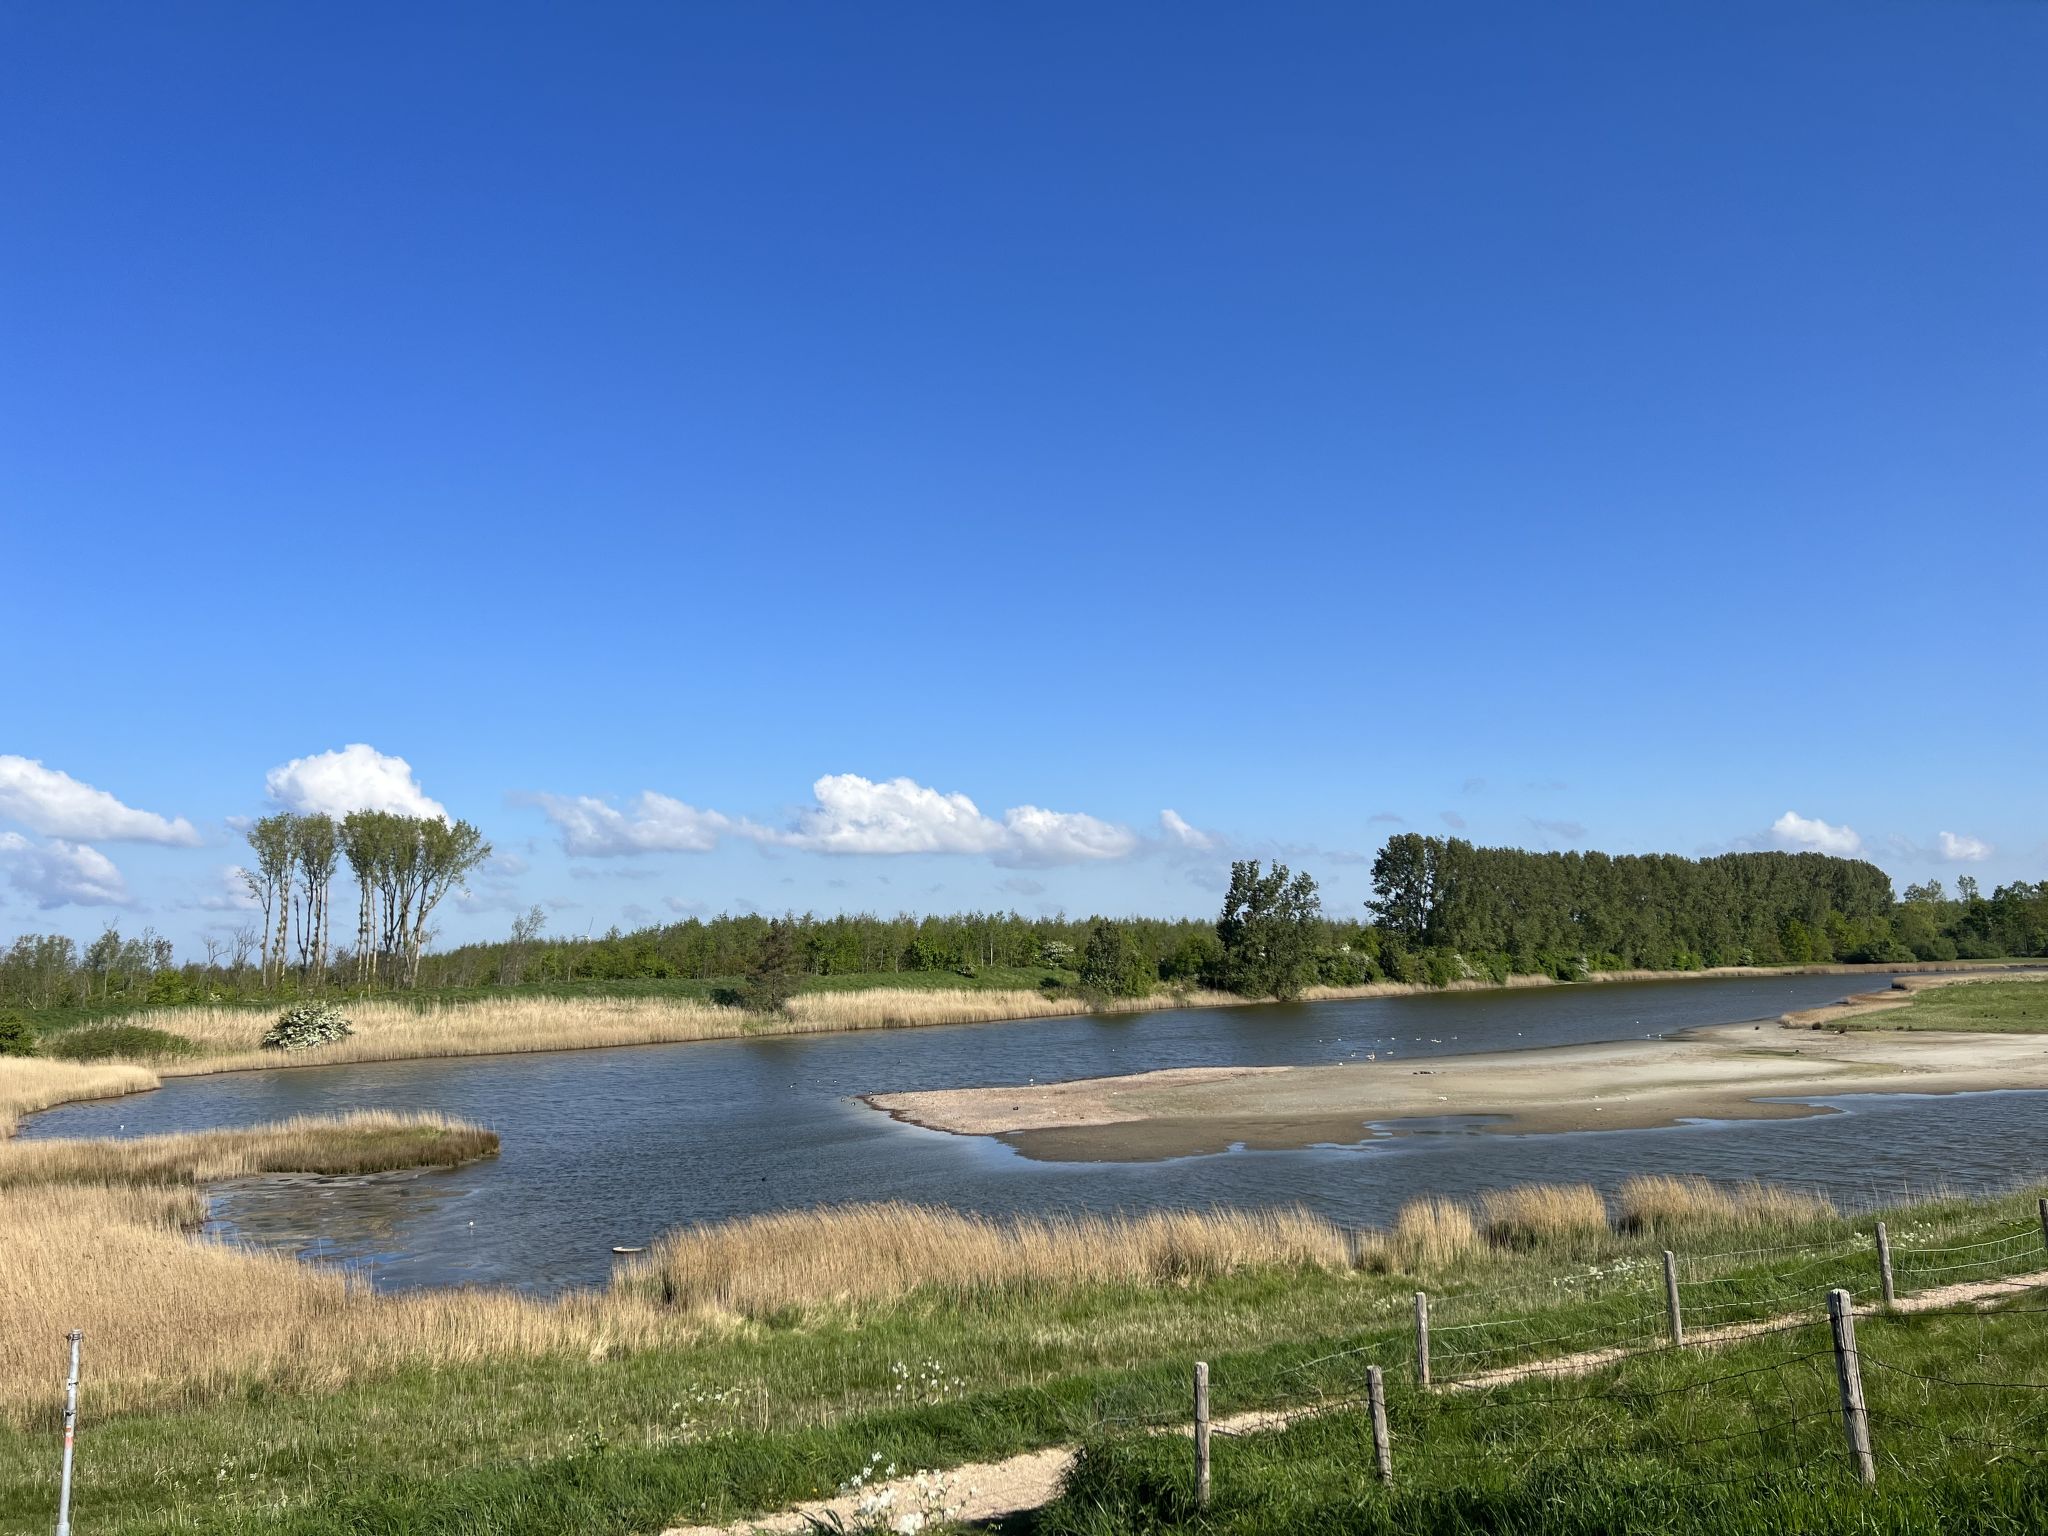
615, 1146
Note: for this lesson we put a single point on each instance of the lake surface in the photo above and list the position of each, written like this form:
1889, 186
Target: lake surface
616, 1146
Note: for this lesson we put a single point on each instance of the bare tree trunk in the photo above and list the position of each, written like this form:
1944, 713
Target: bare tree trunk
284, 912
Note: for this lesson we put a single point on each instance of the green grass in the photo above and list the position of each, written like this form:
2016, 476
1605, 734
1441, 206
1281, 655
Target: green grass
1989, 1007
772, 1414
1728, 1442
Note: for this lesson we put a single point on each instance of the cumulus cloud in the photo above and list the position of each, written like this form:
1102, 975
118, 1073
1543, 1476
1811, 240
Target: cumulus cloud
850, 815
61, 873
857, 815
1039, 838
1793, 830
654, 823
357, 778
1453, 820
51, 802
1566, 829
1959, 849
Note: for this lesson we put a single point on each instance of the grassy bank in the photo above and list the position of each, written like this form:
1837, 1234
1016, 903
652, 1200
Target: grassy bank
747, 1366
1982, 1006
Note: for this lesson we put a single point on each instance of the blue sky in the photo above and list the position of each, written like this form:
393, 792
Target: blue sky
1609, 425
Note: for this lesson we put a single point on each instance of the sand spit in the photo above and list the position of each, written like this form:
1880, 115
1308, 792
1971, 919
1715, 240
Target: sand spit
1722, 1072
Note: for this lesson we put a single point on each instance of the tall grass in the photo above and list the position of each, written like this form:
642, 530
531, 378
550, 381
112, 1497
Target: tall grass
1531, 1216
1434, 1232
173, 1321
1658, 1203
96, 1235
367, 1141
388, 1029
30, 1083
761, 1265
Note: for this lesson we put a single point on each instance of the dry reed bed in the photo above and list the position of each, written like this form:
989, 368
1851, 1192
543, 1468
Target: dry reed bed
172, 1321
390, 1031
30, 1083
366, 1141
96, 1235
760, 1265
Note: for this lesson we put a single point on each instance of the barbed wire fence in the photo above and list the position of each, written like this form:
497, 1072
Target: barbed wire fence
1807, 1408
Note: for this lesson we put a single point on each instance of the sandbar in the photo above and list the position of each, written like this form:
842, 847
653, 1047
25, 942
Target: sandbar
1726, 1071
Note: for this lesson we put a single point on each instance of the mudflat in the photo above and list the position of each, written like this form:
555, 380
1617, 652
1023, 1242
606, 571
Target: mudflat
1721, 1072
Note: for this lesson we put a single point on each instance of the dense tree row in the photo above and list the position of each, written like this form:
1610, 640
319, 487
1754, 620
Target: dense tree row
1442, 910
1565, 914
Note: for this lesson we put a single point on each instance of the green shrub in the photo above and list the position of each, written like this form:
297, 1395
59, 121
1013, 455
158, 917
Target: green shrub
1441, 967
108, 1042
16, 1037
1115, 965
307, 1025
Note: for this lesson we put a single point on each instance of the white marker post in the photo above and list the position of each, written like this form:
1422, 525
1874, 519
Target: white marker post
70, 1434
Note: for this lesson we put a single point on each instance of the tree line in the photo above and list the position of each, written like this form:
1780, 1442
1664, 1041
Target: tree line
1442, 910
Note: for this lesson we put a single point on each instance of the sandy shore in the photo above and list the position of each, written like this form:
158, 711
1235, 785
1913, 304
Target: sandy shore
1722, 1072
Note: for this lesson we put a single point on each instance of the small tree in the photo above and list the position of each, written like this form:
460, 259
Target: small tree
17, 1038
1268, 931
777, 971
1113, 965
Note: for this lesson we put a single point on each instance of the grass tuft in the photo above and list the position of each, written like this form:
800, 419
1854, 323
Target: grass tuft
1531, 1216
1661, 1202
1434, 1233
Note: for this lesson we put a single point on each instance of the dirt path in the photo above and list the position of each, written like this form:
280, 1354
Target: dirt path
992, 1490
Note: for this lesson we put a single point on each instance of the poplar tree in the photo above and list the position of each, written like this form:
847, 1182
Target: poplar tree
314, 849
271, 839
445, 854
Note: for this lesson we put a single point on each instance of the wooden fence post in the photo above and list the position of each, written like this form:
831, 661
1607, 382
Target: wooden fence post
1884, 1265
1201, 1434
1382, 1445
1849, 1377
1422, 1337
2044, 1220
1671, 1297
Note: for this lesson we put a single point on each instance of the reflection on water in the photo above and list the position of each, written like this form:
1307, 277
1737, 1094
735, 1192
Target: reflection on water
615, 1146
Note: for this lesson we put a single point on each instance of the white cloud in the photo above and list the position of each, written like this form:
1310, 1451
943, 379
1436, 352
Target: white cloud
1793, 830
57, 805
1039, 838
60, 873
1181, 835
357, 778
857, 815
852, 815
593, 828
1959, 849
